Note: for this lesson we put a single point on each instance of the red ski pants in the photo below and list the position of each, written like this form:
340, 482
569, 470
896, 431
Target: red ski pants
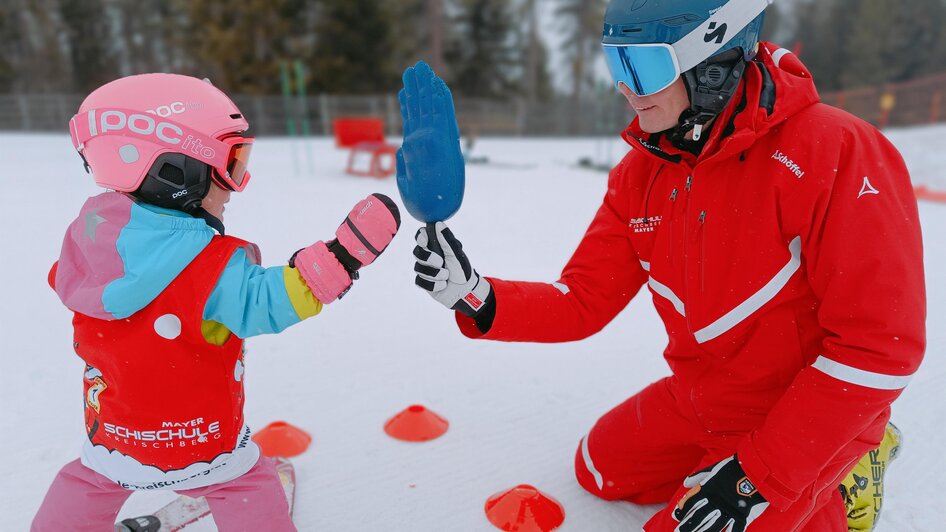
80, 499
642, 449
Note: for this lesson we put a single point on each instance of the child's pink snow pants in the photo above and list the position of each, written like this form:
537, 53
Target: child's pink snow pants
82, 500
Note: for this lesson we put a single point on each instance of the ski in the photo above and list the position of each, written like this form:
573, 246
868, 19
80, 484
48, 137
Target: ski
184, 510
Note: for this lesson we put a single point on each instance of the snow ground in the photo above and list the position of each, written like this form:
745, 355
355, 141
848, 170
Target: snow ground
517, 411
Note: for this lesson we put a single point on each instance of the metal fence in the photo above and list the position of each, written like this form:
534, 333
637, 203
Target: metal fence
909, 103
915, 102
272, 115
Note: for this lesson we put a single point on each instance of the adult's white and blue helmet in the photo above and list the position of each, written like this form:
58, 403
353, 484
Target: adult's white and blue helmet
648, 44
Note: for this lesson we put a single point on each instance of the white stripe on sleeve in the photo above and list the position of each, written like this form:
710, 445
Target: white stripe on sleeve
861, 377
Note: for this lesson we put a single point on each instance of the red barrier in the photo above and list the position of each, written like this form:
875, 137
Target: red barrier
925, 193
365, 136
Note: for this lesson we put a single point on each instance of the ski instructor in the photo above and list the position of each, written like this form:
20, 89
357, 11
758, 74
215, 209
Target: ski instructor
780, 242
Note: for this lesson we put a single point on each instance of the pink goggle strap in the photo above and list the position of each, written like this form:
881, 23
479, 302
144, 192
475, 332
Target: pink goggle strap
151, 128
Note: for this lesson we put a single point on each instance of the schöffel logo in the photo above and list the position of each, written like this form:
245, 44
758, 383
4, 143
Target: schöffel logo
745, 487
790, 164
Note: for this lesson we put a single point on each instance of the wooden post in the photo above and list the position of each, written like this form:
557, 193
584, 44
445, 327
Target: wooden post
887, 102
935, 106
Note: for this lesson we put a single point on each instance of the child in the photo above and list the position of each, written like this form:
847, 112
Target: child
162, 305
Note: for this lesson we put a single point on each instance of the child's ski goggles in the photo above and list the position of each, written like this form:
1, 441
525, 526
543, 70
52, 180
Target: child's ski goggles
235, 175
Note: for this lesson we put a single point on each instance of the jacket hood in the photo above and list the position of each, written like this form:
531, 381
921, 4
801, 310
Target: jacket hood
775, 87
118, 255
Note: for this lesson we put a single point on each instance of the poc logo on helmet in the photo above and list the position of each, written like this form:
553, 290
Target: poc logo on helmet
179, 194
141, 124
164, 111
145, 125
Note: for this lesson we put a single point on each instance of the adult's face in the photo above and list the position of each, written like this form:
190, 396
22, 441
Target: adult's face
659, 111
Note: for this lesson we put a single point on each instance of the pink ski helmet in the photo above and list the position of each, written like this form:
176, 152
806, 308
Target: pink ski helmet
188, 126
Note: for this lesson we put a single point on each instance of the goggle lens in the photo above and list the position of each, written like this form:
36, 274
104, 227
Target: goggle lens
645, 69
236, 165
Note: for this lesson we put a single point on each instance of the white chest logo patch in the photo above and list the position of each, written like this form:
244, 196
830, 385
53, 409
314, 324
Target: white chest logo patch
645, 225
867, 188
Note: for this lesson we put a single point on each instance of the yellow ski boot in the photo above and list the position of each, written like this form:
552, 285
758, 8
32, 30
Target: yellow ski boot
863, 488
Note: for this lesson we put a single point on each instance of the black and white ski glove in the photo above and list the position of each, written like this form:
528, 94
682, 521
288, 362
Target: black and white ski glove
445, 273
723, 499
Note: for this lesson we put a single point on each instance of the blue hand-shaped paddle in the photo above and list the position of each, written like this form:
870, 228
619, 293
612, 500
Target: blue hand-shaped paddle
430, 174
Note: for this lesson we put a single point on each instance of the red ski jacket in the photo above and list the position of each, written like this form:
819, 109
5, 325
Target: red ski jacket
164, 407
785, 262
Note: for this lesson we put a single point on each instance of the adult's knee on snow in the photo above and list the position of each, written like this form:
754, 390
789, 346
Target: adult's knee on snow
589, 478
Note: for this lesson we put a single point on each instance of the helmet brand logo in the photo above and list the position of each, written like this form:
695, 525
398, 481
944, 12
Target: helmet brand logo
147, 125
179, 194
141, 124
717, 34
174, 108
164, 111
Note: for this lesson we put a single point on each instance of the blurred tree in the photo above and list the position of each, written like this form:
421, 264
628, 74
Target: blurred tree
145, 36
822, 28
12, 47
890, 41
482, 53
853, 43
92, 62
412, 22
582, 23
239, 45
354, 48
537, 81
34, 47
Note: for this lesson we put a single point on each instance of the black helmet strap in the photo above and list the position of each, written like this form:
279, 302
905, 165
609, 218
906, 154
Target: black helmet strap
176, 181
710, 85
211, 220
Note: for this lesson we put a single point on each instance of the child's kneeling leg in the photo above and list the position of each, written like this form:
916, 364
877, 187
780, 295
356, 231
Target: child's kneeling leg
255, 501
80, 499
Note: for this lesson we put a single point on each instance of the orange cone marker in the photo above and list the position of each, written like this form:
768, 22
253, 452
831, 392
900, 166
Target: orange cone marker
416, 423
282, 439
524, 509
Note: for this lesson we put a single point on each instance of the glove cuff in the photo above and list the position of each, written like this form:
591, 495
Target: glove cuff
323, 273
474, 300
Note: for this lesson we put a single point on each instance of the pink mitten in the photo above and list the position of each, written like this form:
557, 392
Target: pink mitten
369, 228
329, 268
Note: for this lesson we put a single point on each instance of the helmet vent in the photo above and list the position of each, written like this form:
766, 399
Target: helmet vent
680, 20
714, 75
172, 174
236, 116
632, 30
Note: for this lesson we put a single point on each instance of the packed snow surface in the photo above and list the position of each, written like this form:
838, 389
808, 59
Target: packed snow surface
516, 411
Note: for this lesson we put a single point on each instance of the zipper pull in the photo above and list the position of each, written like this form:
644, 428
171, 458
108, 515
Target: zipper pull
673, 195
689, 182
702, 216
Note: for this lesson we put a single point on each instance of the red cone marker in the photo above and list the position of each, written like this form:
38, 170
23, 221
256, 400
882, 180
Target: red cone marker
416, 423
282, 439
524, 509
